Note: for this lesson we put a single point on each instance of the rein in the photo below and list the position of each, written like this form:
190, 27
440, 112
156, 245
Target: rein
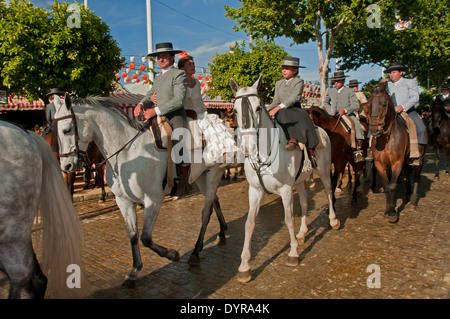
80, 154
337, 123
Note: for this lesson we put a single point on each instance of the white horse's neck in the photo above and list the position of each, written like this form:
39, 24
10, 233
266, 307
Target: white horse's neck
110, 131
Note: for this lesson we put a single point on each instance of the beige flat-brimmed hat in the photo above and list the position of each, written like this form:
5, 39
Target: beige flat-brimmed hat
163, 48
292, 61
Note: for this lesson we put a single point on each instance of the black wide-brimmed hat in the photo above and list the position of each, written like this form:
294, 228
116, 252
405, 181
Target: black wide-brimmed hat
339, 75
292, 61
352, 83
163, 48
395, 66
55, 91
445, 86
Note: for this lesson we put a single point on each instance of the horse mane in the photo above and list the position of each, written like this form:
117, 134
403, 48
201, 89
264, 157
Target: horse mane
106, 102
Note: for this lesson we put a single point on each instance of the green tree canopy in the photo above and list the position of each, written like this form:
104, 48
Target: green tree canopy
424, 49
301, 21
263, 57
41, 49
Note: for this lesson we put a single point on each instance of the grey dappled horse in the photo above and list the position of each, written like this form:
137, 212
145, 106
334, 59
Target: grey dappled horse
31, 180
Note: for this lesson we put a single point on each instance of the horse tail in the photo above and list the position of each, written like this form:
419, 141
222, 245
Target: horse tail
62, 230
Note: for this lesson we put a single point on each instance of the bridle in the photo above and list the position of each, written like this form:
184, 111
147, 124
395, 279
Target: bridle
82, 155
79, 153
372, 118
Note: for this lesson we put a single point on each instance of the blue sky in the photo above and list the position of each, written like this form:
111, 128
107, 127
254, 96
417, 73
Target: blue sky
197, 26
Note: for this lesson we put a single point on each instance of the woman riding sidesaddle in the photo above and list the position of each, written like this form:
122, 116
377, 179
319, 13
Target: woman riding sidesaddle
286, 108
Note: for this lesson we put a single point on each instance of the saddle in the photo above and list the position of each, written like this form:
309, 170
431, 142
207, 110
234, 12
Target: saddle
161, 132
349, 126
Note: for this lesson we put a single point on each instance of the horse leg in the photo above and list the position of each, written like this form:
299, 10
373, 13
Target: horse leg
357, 169
100, 179
416, 178
349, 171
386, 186
323, 170
288, 203
392, 186
22, 268
447, 167
254, 197
436, 152
128, 210
221, 219
209, 191
303, 197
151, 212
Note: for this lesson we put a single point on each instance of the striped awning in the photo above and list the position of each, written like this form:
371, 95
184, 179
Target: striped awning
126, 102
219, 104
20, 103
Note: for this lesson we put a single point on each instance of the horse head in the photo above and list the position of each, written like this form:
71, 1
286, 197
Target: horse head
317, 115
381, 110
248, 108
71, 135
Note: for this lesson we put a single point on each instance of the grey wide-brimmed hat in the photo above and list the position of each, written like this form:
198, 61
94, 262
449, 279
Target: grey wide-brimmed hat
163, 48
292, 61
352, 83
339, 75
55, 91
395, 66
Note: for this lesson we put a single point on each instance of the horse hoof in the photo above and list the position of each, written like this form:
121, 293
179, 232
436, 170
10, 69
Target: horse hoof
337, 225
173, 255
194, 260
393, 218
300, 240
338, 190
436, 177
244, 276
129, 283
312, 186
292, 261
221, 241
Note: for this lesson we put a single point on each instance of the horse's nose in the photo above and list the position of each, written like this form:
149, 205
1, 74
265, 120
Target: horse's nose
68, 167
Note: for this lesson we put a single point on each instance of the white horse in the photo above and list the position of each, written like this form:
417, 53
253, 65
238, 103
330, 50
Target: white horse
274, 171
135, 170
30, 181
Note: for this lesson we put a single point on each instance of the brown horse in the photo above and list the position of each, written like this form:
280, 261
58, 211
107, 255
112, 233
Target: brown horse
390, 148
341, 150
440, 134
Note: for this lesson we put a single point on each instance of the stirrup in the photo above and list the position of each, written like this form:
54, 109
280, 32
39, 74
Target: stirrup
358, 156
415, 161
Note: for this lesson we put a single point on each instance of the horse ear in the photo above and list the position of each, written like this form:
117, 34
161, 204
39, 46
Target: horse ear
68, 101
383, 86
58, 103
258, 82
234, 85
